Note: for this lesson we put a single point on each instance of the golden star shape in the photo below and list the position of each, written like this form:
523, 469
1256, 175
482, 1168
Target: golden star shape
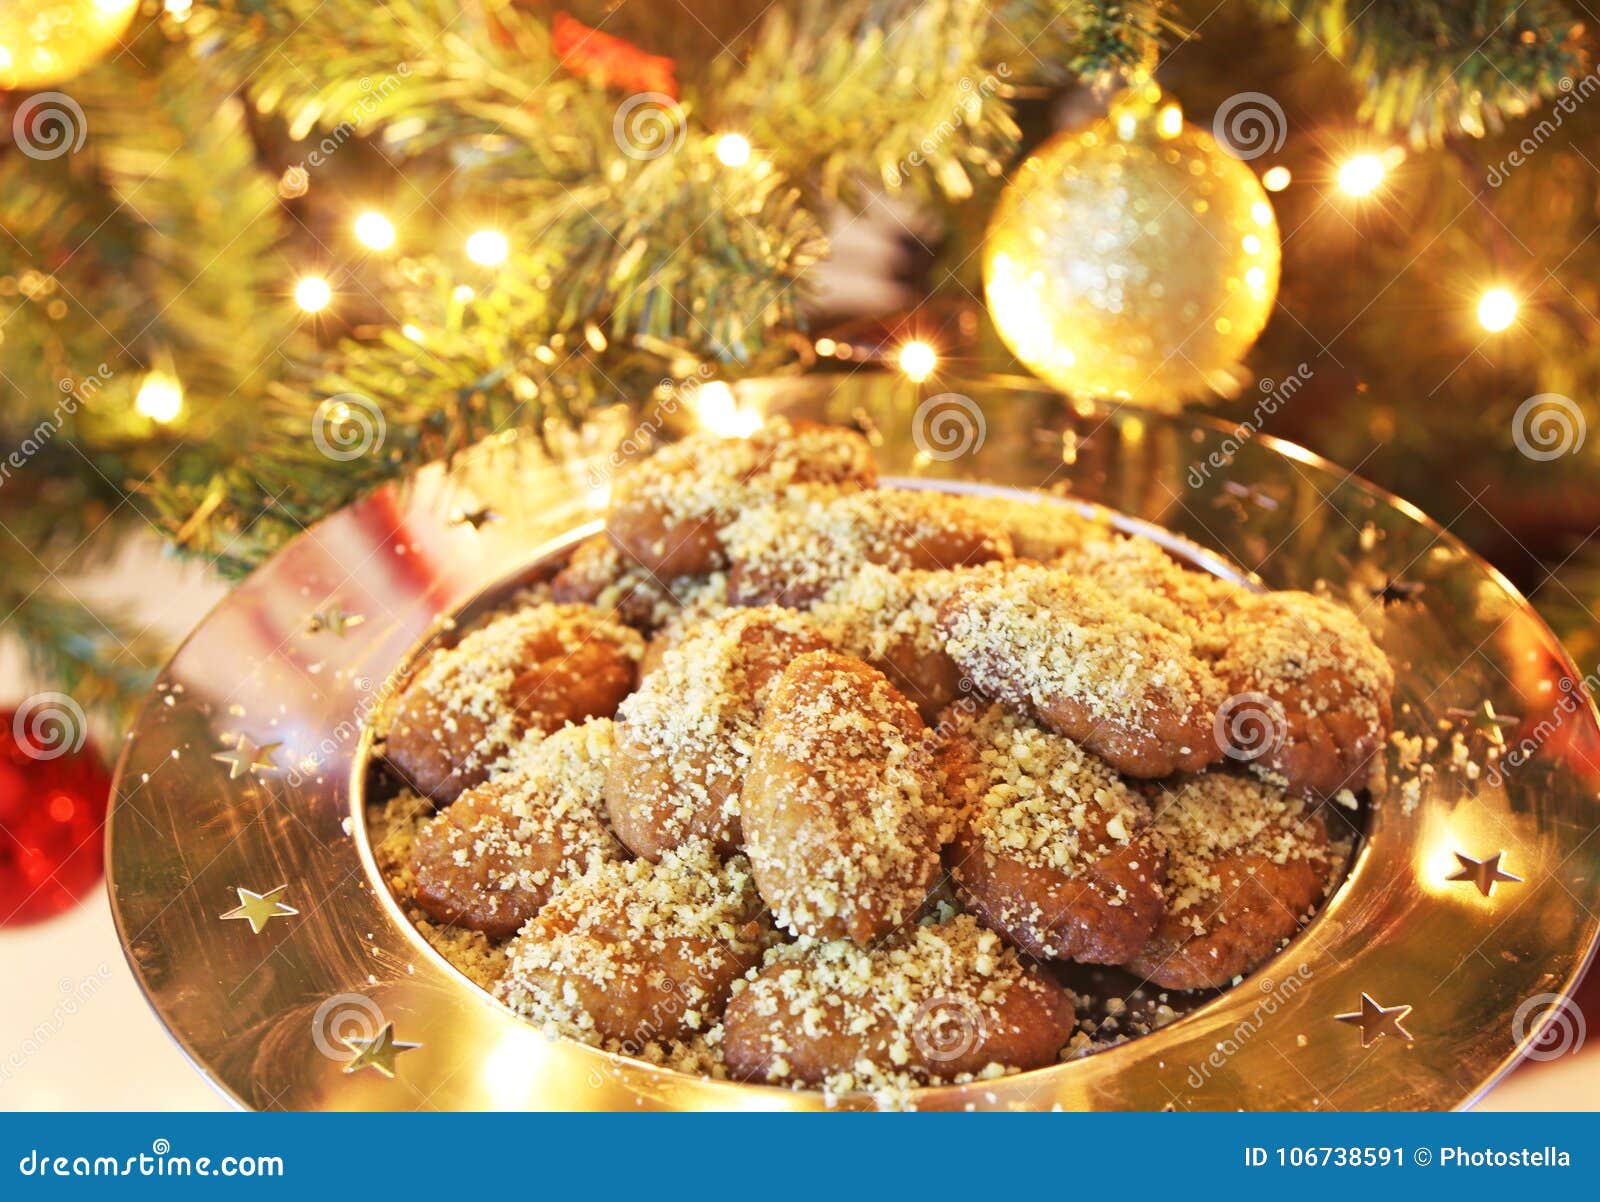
1484, 874
258, 909
378, 1053
246, 756
1484, 720
334, 620
1377, 1021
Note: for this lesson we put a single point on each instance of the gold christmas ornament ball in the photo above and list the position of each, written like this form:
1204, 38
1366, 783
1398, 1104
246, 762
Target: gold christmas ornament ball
1136, 259
44, 42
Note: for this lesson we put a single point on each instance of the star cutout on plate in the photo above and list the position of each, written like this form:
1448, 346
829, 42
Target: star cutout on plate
476, 518
1394, 592
1377, 1021
378, 1053
334, 620
245, 756
258, 909
1484, 719
1484, 874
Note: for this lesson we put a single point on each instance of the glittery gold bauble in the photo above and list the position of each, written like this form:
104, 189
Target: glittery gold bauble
44, 42
1136, 259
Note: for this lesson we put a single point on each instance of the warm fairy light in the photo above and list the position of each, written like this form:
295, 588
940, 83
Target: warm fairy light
826, 346
414, 333
917, 360
312, 293
719, 412
160, 398
1276, 179
462, 294
1169, 121
1497, 309
733, 150
1361, 175
374, 231
488, 248
179, 8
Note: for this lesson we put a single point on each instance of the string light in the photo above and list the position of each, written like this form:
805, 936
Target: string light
312, 293
733, 150
1497, 309
1276, 179
374, 231
1361, 175
488, 248
1169, 121
917, 360
160, 398
720, 412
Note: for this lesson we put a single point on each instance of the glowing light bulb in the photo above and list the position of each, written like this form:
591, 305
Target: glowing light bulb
1276, 179
1169, 121
733, 150
160, 398
312, 293
1361, 175
374, 231
917, 360
720, 413
1497, 309
488, 248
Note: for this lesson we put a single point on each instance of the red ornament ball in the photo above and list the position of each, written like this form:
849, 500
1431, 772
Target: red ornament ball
53, 793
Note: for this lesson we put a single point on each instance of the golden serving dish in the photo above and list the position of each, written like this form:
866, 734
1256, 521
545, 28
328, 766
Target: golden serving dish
257, 923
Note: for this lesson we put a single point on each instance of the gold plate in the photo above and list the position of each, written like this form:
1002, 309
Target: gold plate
256, 922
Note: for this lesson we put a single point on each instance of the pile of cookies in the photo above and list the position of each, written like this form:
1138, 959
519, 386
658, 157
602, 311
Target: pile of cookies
799, 779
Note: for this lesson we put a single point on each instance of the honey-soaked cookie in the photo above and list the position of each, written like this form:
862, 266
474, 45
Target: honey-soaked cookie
891, 620
601, 574
637, 954
500, 851
1309, 692
1087, 666
841, 810
531, 671
793, 554
1040, 528
937, 1003
685, 737
1246, 862
1053, 848
668, 511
